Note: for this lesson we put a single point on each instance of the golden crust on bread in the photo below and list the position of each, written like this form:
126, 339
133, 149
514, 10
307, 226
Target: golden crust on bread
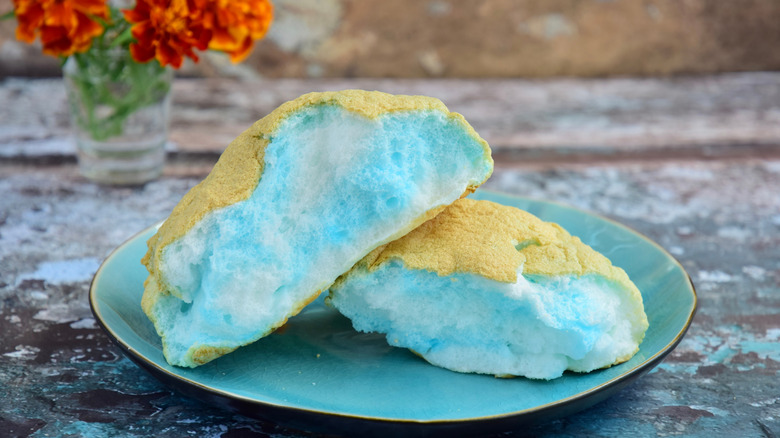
493, 241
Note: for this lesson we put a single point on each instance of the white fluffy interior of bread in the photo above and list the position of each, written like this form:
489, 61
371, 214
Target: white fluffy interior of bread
538, 327
335, 186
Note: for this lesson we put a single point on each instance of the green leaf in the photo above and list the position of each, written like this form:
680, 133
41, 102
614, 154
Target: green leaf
8, 15
123, 38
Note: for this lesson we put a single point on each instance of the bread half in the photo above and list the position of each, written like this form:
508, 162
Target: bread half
292, 204
491, 289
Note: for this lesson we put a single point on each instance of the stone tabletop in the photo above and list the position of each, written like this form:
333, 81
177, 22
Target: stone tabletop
691, 162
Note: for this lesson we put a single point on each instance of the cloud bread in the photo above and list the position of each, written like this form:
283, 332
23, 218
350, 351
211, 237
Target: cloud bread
292, 204
491, 289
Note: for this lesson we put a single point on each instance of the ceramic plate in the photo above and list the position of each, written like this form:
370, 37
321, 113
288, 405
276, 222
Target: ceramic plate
318, 374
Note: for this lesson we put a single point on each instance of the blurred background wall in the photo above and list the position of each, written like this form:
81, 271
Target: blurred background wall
486, 38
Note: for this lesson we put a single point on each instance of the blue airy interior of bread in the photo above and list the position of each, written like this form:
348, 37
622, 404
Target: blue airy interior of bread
537, 327
335, 184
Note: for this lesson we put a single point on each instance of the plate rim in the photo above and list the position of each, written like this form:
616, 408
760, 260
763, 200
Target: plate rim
635, 372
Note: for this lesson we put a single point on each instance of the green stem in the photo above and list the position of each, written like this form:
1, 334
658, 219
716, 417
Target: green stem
111, 89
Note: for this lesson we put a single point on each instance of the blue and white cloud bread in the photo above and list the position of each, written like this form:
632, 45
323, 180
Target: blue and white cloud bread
491, 289
294, 202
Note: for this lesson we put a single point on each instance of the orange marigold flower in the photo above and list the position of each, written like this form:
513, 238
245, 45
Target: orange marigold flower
167, 30
236, 24
65, 26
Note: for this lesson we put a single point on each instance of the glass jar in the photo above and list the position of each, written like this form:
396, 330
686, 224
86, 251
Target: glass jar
120, 112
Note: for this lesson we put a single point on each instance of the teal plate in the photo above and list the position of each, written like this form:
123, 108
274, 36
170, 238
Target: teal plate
318, 374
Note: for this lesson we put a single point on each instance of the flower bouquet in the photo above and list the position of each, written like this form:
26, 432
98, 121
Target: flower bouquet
117, 63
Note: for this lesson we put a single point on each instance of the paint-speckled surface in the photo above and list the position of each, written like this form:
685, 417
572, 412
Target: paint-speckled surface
61, 376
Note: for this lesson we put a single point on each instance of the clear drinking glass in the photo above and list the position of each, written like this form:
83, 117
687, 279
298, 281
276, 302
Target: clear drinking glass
120, 112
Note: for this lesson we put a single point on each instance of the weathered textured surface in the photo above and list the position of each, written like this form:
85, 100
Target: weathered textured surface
61, 376
487, 38
711, 117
